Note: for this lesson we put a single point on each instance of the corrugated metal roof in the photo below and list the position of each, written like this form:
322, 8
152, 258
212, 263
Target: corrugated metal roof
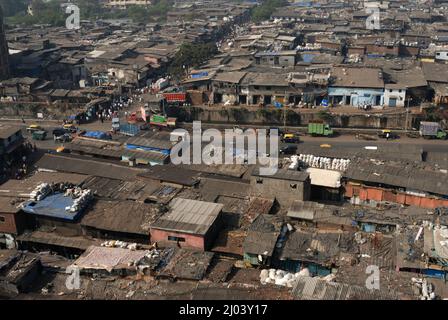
284, 175
189, 216
68, 163
149, 143
399, 175
172, 174
6, 131
308, 288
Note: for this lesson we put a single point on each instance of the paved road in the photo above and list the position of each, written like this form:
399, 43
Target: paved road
344, 140
425, 145
347, 139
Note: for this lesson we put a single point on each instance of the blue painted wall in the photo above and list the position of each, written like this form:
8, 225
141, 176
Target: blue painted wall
358, 96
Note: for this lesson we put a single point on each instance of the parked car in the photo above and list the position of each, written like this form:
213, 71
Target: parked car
288, 150
59, 132
66, 137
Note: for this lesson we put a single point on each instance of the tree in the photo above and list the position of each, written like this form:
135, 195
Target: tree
13, 7
191, 55
266, 9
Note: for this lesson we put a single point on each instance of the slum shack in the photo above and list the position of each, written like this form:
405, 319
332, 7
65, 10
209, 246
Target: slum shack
285, 185
18, 270
185, 264
313, 214
57, 202
120, 220
319, 252
261, 240
107, 261
188, 223
12, 221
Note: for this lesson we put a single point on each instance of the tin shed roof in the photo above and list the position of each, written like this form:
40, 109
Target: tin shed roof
189, 216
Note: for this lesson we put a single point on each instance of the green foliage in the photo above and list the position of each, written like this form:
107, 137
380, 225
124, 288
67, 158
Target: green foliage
191, 55
432, 114
50, 12
43, 13
139, 14
325, 116
292, 118
13, 7
265, 10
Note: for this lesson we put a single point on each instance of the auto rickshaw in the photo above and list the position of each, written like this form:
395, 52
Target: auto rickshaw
70, 127
387, 134
34, 127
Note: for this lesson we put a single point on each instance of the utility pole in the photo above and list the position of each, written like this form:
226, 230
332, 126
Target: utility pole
284, 113
407, 116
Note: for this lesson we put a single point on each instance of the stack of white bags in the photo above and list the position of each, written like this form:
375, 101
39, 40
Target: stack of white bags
281, 278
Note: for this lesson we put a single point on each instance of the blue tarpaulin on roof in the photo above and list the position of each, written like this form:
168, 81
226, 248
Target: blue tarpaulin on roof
308, 57
135, 147
199, 75
97, 135
53, 206
434, 273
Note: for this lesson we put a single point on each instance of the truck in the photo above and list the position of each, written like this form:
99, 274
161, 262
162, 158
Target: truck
319, 128
432, 130
39, 135
162, 121
129, 129
175, 97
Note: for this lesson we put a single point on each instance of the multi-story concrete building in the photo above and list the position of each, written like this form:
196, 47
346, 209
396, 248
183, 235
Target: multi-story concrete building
123, 4
4, 62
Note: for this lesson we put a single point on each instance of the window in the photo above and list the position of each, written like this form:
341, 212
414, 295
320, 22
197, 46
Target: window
399, 90
293, 185
390, 90
259, 181
2, 219
438, 53
268, 88
256, 87
177, 239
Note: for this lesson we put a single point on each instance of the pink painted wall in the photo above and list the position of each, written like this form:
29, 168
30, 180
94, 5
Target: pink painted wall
191, 241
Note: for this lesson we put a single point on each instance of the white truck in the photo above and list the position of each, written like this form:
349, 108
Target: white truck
432, 130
